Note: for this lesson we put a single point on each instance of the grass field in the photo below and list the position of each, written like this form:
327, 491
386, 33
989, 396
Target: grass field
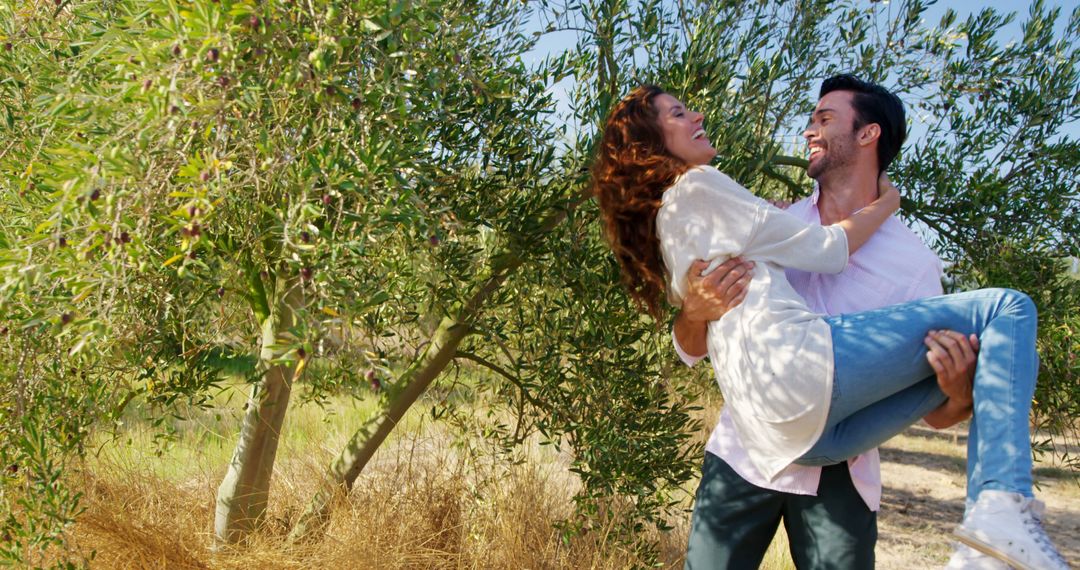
435, 498
432, 498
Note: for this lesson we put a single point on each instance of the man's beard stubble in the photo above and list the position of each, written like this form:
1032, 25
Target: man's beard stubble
839, 153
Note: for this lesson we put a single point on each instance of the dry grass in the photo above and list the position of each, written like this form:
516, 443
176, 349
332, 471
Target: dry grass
425, 503
434, 512
422, 503
433, 499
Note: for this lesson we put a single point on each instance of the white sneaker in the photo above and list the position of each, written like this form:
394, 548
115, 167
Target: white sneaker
1008, 526
966, 558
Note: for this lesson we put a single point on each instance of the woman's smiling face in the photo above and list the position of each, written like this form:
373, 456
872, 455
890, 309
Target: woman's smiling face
683, 136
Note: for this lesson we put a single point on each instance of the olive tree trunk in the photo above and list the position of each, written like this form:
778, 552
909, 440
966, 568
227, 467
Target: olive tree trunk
243, 493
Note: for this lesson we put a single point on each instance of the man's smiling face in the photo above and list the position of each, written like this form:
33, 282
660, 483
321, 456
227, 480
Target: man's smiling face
830, 136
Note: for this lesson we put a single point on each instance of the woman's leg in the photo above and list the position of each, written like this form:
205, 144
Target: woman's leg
875, 424
883, 380
975, 477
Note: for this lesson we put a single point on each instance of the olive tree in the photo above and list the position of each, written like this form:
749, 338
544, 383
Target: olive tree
216, 181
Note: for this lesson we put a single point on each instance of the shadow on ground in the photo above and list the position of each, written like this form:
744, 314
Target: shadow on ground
929, 460
916, 521
951, 462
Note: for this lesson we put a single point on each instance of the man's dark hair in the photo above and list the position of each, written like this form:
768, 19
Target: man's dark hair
873, 104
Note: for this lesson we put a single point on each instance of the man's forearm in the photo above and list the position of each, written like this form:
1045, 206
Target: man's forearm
691, 335
948, 414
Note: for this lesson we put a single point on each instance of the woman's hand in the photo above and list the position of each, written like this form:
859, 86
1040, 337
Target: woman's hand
888, 195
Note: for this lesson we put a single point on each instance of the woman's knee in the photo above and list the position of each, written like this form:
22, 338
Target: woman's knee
1017, 301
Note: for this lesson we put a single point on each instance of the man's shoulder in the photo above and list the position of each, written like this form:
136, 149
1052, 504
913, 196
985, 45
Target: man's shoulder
900, 236
904, 265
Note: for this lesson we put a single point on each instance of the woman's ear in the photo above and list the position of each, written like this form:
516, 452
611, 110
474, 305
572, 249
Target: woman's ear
869, 133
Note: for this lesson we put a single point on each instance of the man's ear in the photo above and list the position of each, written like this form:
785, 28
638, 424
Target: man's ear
868, 134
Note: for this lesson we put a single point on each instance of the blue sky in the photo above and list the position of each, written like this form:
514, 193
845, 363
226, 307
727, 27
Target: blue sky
555, 42
1011, 32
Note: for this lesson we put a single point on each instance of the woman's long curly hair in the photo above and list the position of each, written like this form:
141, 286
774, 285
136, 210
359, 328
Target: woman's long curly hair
629, 177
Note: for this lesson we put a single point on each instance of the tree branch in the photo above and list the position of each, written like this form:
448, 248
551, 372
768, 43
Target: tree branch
784, 160
796, 190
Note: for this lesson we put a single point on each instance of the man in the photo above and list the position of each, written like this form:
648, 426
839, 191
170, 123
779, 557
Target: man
829, 513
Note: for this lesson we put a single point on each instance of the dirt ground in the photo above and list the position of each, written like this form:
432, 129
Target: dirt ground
923, 500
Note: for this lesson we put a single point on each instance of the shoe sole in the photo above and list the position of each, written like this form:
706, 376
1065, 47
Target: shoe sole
973, 541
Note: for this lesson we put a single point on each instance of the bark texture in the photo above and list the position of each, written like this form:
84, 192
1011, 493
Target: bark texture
244, 492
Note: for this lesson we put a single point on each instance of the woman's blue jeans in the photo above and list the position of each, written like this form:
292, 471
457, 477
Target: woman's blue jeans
883, 382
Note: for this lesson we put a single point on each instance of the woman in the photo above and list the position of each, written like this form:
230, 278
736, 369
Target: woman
801, 388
